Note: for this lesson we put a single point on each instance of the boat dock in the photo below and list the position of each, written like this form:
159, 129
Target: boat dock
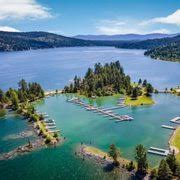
168, 127
158, 151
49, 123
116, 107
105, 112
175, 120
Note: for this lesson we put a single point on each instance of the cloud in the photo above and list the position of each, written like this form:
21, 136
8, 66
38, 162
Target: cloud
130, 26
115, 26
9, 29
20, 9
173, 18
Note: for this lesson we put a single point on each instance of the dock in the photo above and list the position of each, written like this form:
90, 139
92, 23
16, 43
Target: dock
49, 123
116, 107
175, 120
168, 127
54, 131
159, 151
104, 112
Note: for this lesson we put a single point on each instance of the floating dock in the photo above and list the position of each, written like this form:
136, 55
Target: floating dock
116, 107
54, 131
105, 112
50, 127
168, 127
49, 123
159, 151
175, 120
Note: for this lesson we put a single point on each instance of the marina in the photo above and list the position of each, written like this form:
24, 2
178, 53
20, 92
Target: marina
49, 123
104, 112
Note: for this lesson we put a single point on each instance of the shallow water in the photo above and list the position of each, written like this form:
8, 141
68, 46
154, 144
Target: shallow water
54, 68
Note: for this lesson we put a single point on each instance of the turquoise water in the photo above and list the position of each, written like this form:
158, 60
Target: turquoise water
54, 68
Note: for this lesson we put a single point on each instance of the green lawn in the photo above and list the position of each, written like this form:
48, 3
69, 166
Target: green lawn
175, 141
141, 100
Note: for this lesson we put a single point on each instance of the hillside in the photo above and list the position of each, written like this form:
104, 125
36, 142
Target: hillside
166, 53
18, 41
123, 37
165, 49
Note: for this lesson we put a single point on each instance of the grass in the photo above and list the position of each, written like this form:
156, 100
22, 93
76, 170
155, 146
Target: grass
97, 152
2, 112
175, 141
141, 100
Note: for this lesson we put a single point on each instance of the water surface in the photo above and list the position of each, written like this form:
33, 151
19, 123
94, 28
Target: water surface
54, 68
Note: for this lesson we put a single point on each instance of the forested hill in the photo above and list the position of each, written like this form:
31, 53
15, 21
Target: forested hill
166, 53
167, 49
18, 41
164, 48
151, 43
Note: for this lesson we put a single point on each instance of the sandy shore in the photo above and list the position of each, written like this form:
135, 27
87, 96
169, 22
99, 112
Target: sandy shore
102, 158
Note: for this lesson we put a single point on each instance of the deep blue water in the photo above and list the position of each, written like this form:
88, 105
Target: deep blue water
54, 68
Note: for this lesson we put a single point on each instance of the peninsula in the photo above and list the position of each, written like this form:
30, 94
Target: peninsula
108, 80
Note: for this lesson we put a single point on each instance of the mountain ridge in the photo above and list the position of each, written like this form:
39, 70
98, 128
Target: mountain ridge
124, 37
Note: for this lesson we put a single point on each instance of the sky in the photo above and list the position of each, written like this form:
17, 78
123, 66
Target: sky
73, 17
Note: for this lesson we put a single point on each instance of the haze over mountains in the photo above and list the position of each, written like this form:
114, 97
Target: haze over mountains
124, 37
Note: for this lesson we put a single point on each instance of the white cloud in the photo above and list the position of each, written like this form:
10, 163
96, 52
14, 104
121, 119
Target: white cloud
20, 9
117, 26
9, 29
115, 30
173, 18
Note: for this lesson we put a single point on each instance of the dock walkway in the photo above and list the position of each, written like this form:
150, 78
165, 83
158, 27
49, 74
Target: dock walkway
159, 151
168, 127
175, 120
105, 112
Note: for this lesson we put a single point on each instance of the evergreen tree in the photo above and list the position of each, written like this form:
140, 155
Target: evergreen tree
15, 100
149, 89
164, 172
141, 158
113, 152
144, 83
135, 93
171, 161
140, 81
23, 85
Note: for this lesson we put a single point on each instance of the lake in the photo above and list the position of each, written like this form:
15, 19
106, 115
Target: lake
54, 68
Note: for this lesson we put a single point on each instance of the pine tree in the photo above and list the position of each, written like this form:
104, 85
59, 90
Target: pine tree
164, 172
141, 158
171, 161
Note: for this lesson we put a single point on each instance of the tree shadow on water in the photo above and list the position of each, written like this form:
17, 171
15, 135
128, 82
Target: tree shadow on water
108, 167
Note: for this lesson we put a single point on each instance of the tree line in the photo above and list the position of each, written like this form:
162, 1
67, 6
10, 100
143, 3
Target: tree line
168, 167
26, 92
106, 80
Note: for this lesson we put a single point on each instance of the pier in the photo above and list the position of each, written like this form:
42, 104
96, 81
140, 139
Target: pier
175, 120
49, 123
168, 127
159, 151
104, 112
